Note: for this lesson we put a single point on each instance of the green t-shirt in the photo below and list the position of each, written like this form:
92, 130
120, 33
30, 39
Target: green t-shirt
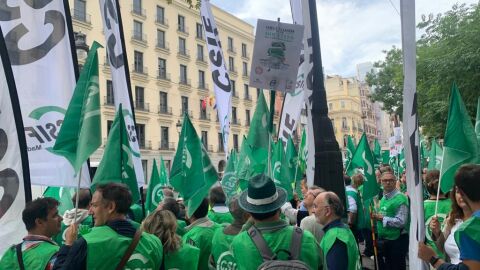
345, 235
219, 217
35, 257
185, 258
105, 249
221, 251
181, 224
444, 207
199, 234
278, 236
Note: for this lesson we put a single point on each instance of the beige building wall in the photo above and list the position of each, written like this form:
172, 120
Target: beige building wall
141, 26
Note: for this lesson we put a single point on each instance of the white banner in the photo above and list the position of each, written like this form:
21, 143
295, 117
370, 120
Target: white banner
221, 79
39, 48
117, 57
12, 139
410, 135
275, 55
301, 15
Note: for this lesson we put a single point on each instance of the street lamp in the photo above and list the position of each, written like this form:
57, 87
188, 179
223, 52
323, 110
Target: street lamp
179, 126
81, 48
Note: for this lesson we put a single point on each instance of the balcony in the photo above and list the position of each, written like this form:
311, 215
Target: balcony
145, 145
203, 86
190, 113
164, 110
247, 97
220, 148
184, 81
139, 11
234, 94
184, 53
165, 145
245, 56
247, 122
162, 45
235, 121
232, 72
210, 148
108, 101
142, 70
204, 116
232, 50
181, 29
139, 36
142, 106
345, 128
163, 76
162, 21
201, 59
81, 16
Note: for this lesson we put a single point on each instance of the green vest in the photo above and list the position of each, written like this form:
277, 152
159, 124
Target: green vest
105, 249
360, 222
36, 257
221, 252
201, 237
389, 208
220, 218
84, 228
185, 258
181, 224
444, 207
346, 236
470, 227
278, 236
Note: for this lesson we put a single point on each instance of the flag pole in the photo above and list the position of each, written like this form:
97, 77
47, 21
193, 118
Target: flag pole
375, 250
77, 195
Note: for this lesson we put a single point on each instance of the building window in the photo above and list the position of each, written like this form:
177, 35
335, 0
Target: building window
342, 104
246, 91
344, 123
144, 168
137, 30
109, 126
137, 7
138, 61
203, 110
230, 44
164, 138
330, 106
141, 135
163, 102
181, 23
235, 142
160, 15
220, 143
184, 105
234, 88
110, 95
245, 69
161, 39
234, 115
244, 50
182, 47
205, 139
201, 79
199, 31
200, 52
231, 66
247, 118
162, 68
183, 74
80, 10
139, 97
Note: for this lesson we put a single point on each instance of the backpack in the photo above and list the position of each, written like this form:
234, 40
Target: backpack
270, 261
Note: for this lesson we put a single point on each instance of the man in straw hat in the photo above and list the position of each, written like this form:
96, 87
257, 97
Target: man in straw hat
262, 200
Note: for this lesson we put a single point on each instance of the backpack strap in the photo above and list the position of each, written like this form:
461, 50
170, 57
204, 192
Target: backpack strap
296, 243
130, 249
19, 256
260, 243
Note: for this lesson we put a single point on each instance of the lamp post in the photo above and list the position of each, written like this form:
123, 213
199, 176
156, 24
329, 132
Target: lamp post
81, 48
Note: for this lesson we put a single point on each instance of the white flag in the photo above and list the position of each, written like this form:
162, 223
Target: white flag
40, 50
13, 159
301, 15
221, 80
410, 135
117, 58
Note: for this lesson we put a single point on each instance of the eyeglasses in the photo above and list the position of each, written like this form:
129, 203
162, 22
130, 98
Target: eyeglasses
388, 180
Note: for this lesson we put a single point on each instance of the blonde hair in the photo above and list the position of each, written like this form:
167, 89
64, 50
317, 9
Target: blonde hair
163, 224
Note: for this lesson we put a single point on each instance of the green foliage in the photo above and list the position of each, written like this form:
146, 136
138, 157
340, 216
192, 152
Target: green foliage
448, 51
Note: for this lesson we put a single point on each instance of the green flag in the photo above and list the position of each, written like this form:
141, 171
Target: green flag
291, 157
245, 164
229, 179
350, 149
164, 181
155, 191
303, 152
477, 121
385, 156
401, 162
258, 135
363, 159
63, 195
279, 169
435, 157
423, 153
460, 142
80, 133
117, 162
377, 152
192, 171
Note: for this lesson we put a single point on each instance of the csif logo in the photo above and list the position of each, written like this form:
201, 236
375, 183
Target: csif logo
45, 129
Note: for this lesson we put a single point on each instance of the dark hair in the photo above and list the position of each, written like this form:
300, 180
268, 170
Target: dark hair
217, 196
263, 216
335, 203
385, 169
172, 205
431, 181
202, 209
117, 193
467, 179
37, 208
84, 198
456, 212
347, 180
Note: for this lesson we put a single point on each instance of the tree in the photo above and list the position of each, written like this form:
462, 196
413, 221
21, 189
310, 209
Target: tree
448, 51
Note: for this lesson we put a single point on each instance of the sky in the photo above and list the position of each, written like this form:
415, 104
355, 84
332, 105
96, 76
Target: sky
351, 31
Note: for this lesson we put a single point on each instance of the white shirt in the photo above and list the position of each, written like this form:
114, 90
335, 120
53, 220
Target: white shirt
451, 248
